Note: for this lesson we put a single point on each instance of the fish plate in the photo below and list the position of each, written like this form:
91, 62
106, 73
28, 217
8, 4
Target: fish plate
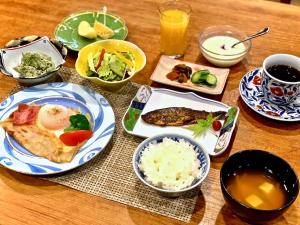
148, 99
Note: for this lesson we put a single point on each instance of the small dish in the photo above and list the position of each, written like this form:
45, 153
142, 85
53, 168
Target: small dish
81, 64
148, 99
166, 64
252, 94
217, 54
202, 157
264, 161
11, 56
66, 30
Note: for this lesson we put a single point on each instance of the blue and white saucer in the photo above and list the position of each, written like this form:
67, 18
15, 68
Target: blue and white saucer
252, 93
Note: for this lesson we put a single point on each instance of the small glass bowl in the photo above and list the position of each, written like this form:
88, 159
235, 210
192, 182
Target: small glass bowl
223, 60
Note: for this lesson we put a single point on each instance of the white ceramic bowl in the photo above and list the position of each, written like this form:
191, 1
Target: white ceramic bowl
223, 60
202, 156
11, 56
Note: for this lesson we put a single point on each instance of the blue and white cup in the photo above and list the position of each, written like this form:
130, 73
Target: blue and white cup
278, 91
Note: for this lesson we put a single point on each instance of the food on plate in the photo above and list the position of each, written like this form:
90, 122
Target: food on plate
231, 114
103, 31
52, 131
111, 65
85, 30
178, 116
204, 77
214, 122
34, 64
216, 125
180, 72
171, 165
202, 125
99, 29
257, 189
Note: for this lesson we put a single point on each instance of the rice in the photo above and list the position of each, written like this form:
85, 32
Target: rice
171, 165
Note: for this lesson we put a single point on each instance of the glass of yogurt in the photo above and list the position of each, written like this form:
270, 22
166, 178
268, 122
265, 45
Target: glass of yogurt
216, 45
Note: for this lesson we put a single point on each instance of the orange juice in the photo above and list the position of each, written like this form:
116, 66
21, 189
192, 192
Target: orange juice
173, 31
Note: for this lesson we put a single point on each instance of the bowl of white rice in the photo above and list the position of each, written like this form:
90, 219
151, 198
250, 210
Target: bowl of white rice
171, 164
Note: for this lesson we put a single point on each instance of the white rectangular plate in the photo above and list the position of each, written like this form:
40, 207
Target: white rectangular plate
166, 64
148, 99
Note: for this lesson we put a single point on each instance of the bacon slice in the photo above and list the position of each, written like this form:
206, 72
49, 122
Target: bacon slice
25, 114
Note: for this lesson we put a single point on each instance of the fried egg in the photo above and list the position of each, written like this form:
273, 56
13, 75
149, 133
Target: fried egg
54, 118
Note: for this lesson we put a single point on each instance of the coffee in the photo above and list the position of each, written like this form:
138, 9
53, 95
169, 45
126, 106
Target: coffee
284, 73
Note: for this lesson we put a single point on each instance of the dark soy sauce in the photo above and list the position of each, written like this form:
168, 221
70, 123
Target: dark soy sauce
284, 73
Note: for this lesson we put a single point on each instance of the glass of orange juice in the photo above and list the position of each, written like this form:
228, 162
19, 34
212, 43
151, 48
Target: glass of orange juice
174, 20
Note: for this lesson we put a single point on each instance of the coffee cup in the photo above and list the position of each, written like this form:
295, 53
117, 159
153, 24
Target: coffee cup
279, 85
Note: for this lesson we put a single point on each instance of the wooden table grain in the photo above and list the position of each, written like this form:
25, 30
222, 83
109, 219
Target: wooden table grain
29, 200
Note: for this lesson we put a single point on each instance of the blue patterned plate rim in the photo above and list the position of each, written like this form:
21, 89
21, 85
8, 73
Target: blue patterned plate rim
252, 94
98, 106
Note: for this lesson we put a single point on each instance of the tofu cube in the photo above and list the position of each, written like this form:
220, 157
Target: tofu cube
254, 200
266, 187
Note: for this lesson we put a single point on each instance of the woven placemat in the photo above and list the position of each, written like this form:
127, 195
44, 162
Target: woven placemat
110, 174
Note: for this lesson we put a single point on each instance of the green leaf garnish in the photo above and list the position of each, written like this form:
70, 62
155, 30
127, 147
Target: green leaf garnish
201, 125
78, 122
230, 116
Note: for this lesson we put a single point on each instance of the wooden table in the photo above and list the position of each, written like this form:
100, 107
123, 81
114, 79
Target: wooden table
29, 200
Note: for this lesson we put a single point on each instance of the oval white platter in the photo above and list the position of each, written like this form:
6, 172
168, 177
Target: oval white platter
17, 158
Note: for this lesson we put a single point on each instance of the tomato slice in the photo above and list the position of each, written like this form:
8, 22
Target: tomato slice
75, 137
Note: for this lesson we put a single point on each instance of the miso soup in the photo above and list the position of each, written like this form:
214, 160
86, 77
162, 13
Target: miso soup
257, 189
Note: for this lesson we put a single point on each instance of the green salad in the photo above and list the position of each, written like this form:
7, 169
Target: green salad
111, 66
34, 64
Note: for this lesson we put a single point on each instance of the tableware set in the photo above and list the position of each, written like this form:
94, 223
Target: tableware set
260, 90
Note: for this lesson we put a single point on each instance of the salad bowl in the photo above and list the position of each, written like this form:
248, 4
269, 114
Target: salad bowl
83, 62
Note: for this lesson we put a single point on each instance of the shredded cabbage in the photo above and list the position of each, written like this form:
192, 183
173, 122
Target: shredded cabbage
34, 64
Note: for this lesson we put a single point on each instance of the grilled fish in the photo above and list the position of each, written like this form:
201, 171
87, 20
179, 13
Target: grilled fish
178, 116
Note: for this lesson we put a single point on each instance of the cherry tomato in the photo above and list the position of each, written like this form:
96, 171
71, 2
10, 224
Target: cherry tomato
217, 125
75, 137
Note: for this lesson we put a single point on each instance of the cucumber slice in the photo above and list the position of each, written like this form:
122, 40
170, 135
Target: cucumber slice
199, 76
211, 80
204, 77
196, 77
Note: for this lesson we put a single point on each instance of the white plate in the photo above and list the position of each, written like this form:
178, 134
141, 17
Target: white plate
149, 99
17, 158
